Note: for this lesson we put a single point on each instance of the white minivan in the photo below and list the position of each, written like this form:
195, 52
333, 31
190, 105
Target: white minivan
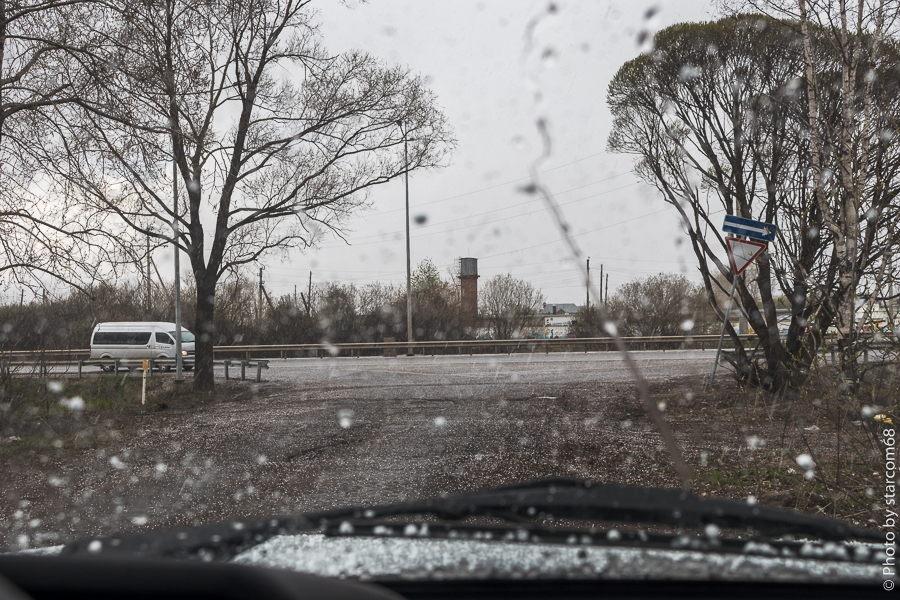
139, 341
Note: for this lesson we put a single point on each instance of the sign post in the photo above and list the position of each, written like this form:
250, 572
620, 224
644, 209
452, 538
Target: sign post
722, 335
144, 383
741, 253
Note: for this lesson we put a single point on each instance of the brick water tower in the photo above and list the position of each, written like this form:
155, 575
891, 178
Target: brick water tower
468, 283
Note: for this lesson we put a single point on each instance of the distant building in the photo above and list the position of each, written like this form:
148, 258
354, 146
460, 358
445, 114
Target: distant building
553, 320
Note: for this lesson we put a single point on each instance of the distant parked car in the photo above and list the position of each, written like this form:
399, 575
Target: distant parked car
139, 341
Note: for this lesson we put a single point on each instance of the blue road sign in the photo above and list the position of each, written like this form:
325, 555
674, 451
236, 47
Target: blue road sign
756, 230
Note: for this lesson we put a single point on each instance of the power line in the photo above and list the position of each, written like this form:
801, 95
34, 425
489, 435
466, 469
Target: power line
394, 233
576, 234
493, 187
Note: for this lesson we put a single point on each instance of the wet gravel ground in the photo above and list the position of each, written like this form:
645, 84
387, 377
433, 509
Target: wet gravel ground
323, 433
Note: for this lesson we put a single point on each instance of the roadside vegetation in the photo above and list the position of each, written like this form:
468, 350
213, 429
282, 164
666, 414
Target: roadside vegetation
53, 415
42, 418
813, 450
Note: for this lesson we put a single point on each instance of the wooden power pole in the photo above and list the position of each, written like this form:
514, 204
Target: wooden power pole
587, 286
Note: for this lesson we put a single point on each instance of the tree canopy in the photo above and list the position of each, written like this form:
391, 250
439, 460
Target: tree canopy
274, 140
717, 116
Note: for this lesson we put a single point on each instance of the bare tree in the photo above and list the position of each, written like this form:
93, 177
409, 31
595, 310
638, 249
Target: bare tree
436, 309
274, 140
664, 304
508, 304
41, 236
716, 115
841, 147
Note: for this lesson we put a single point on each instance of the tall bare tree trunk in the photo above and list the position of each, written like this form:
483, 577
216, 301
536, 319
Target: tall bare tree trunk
203, 330
847, 240
846, 230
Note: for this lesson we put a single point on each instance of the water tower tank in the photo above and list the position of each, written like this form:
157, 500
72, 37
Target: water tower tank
468, 267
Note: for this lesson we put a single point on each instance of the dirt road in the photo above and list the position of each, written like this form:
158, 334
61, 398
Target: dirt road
334, 432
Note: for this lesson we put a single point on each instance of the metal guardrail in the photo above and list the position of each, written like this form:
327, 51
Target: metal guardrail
701, 342
473, 346
116, 365
460, 346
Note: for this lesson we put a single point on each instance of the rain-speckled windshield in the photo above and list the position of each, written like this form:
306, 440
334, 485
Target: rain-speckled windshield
470, 290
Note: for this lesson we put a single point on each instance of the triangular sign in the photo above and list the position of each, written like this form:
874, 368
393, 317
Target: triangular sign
742, 252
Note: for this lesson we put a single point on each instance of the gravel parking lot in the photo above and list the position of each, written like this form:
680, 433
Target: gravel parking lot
322, 433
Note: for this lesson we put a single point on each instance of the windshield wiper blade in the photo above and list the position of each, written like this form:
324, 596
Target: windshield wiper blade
218, 541
592, 501
540, 500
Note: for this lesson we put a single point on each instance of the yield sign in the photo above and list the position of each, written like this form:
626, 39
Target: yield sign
742, 252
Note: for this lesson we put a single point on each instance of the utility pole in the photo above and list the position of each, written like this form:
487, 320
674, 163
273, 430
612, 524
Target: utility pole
606, 294
602, 301
587, 286
259, 302
409, 329
149, 307
307, 300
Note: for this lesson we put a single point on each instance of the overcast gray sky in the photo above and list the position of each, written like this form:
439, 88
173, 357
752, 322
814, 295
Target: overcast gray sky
493, 88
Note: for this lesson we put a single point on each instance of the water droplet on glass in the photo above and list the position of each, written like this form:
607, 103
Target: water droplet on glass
75, 404
613, 535
440, 422
95, 546
751, 500
805, 461
55, 386
689, 73
116, 462
346, 417
549, 58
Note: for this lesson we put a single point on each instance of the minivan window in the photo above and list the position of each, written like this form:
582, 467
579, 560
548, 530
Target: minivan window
124, 338
163, 338
186, 336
